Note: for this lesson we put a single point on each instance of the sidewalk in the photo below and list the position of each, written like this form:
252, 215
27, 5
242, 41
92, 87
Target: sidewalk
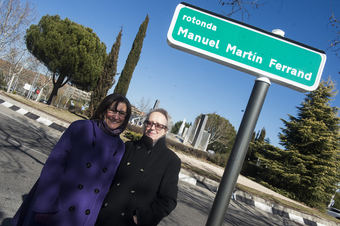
187, 176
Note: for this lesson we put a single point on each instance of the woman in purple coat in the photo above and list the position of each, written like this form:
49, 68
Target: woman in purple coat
78, 173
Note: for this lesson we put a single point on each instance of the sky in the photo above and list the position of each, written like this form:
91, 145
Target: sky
187, 85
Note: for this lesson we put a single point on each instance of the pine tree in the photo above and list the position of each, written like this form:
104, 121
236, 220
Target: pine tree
106, 80
262, 135
312, 141
265, 163
72, 52
132, 60
269, 167
254, 146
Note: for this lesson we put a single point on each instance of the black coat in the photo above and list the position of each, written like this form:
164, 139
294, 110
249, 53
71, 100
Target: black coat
145, 185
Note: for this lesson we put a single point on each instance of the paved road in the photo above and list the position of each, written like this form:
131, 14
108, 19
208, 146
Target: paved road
25, 144
194, 205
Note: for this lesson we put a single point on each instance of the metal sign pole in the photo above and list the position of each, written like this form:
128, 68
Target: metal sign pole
238, 152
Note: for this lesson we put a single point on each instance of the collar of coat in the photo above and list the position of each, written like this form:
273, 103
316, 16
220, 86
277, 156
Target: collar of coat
148, 143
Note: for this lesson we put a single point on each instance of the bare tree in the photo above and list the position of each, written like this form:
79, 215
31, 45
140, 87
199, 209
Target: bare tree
239, 6
20, 62
144, 105
217, 127
45, 84
15, 16
33, 65
335, 43
14, 57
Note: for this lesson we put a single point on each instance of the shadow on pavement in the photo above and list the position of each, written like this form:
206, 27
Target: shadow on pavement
6, 222
20, 136
14, 138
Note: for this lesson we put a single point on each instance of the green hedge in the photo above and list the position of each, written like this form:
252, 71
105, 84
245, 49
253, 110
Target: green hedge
132, 135
219, 158
337, 201
184, 148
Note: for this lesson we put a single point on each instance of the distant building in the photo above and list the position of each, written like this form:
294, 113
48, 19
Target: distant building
27, 77
78, 94
137, 117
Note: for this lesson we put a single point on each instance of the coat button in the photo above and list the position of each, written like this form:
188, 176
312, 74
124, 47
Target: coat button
88, 165
122, 214
71, 208
141, 170
105, 204
87, 212
149, 152
128, 163
132, 191
104, 170
80, 186
118, 184
96, 190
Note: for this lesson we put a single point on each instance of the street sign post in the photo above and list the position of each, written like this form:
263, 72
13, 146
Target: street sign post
246, 48
257, 52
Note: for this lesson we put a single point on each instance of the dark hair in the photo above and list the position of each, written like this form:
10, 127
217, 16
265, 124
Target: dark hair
107, 102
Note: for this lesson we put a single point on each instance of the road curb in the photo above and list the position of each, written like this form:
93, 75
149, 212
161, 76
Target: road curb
46, 121
195, 179
259, 203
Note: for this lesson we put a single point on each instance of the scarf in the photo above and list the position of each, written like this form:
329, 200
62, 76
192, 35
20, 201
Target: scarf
112, 132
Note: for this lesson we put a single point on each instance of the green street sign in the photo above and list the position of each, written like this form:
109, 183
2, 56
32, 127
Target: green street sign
246, 48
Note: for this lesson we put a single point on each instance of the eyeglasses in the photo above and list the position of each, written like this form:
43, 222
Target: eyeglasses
158, 126
121, 114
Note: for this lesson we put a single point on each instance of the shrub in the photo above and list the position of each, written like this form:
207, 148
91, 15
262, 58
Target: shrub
135, 129
218, 159
132, 135
77, 106
337, 200
184, 148
2, 81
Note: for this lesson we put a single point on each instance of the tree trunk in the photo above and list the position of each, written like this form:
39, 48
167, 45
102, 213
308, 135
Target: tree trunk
10, 84
56, 87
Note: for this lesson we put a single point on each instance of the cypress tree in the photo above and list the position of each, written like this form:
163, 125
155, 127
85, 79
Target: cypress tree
132, 60
312, 140
106, 80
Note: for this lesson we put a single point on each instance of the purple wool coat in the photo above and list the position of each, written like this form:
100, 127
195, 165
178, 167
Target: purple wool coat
75, 178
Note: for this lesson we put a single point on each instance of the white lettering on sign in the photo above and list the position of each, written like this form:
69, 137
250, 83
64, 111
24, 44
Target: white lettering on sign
246, 48
198, 38
198, 22
244, 54
289, 70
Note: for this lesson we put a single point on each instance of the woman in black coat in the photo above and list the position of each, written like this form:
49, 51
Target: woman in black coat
144, 189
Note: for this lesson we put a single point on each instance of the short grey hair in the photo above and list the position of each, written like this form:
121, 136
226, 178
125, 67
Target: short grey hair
163, 112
